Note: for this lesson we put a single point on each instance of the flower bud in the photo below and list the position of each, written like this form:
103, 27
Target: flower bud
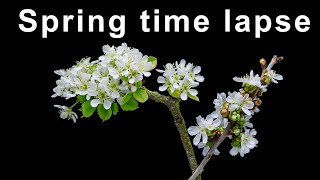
257, 102
263, 63
226, 105
224, 112
263, 79
234, 117
236, 131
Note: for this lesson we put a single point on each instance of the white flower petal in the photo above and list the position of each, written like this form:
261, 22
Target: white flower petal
253, 132
95, 102
245, 110
196, 139
133, 88
193, 130
201, 145
193, 92
107, 104
160, 71
234, 151
216, 152
199, 78
197, 70
161, 80
278, 77
204, 138
131, 81
205, 151
249, 105
237, 79
147, 74
163, 88
233, 107
184, 96
115, 94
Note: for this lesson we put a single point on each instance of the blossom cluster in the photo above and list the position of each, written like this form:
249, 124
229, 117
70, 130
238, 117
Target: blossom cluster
236, 108
180, 80
118, 73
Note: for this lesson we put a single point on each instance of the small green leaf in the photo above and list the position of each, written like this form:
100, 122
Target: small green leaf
139, 84
154, 62
175, 94
131, 105
103, 113
88, 110
123, 78
82, 99
127, 97
115, 108
140, 95
193, 97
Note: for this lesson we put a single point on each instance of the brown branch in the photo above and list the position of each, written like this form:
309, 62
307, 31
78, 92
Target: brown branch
174, 107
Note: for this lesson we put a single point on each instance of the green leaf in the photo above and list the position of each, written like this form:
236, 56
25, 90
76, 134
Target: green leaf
88, 110
140, 95
115, 108
103, 113
123, 78
127, 97
131, 105
139, 84
193, 97
175, 94
154, 62
82, 99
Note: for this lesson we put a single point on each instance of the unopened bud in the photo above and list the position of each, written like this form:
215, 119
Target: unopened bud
263, 63
258, 102
224, 112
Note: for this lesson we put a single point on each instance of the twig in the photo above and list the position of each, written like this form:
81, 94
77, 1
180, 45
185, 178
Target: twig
206, 159
174, 107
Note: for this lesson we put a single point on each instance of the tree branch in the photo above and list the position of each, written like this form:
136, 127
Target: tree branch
206, 159
174, 107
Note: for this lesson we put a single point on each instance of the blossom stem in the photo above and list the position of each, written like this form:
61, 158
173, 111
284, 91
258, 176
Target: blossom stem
216, 144
77, 102
174, 107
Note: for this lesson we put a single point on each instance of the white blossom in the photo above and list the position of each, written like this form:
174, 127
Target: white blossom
274, 76
237, 100
248, 142
221, 99
180, 78
200, 131
66, 113
107, 79
251, 79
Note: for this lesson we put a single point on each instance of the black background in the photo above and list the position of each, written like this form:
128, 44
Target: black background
144, 144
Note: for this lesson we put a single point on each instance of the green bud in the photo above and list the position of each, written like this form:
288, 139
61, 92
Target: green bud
234, 117
236, 132
238, 117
